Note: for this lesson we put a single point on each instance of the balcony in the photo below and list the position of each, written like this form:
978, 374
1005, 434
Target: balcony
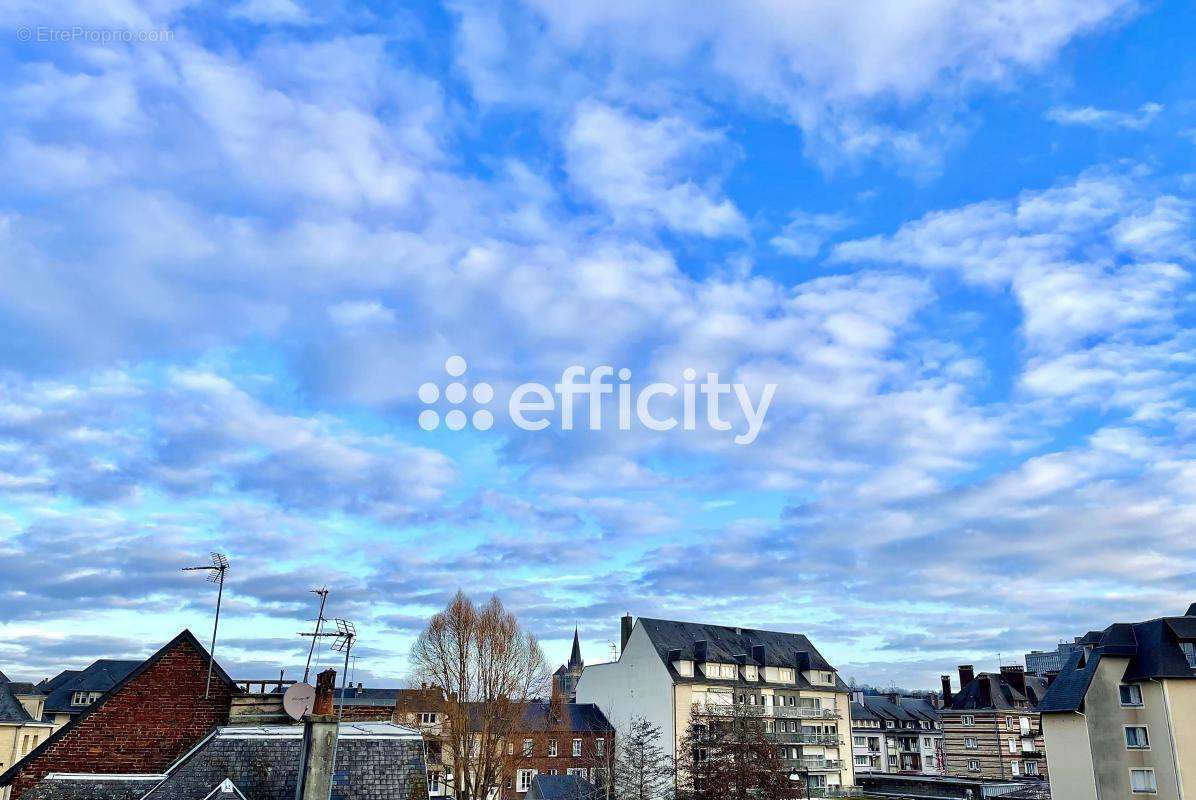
829, 739
818, 764
801, 712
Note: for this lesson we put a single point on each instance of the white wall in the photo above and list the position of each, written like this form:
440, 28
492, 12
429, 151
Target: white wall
638, 684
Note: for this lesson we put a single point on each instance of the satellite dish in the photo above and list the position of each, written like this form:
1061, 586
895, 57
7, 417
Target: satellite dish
298, 700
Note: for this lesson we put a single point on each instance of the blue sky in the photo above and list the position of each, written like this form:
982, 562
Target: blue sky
956, 235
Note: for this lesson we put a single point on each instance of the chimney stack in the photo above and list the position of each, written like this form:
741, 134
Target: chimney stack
758, 654
700, 651
625, 626
1015, 677
319, 742
967, 674
946, 679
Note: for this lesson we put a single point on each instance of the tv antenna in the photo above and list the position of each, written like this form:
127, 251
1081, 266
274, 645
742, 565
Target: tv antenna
342, 642
215, 572
323, 593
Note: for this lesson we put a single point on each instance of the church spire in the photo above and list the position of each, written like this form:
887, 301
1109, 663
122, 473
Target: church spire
575, 656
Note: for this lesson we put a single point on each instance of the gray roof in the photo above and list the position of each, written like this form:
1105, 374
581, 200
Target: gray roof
561, 787
3, 677
60, 786
992, 691
1154, 650
905, 709
727, 645
11, 709
573, 717
373, 760
101, 676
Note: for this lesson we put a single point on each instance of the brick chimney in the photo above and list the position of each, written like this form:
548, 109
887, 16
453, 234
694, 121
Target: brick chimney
319, 742
967, 674
946, 679
1015, 677
625, 626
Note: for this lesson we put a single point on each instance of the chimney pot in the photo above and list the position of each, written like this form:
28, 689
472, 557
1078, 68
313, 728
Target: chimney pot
625, 626
1015, 677
946, 679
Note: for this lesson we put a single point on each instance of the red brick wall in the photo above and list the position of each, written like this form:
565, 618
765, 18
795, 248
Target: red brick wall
541, 762
144, 727
368, 713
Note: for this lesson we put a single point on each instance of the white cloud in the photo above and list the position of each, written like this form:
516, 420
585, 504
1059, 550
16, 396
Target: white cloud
804, 234
1092, 117
645, 171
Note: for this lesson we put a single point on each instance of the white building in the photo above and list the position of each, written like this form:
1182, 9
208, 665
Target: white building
666, 669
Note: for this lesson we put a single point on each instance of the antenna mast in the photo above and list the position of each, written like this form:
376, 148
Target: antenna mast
323, 593
215, 572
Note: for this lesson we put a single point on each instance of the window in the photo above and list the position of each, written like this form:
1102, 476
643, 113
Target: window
527, 747
1009, 723
892, 761
600, 747
576, 748
785, 675
1142, 780
1136, 737
1131, 694
552, 747
84, 698
1189, 649
433, 783
860, 741
1015, 767
974, 765
970, 742
25, 744
427, 718
749, 672
1013, 745
1031, 767
523, 779
510, 749
968, 719
578, 771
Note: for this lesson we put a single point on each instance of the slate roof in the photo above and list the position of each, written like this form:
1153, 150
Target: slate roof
1154, 650
725, 643
63, 786
374, 761
561, 787
3, 677
906, 709
101, 676
991, 691
11, 709
574, 717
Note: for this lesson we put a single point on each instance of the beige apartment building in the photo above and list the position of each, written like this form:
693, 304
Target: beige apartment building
1120, 719
669, 670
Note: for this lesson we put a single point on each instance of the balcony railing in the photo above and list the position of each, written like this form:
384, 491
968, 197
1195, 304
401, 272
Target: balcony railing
818, 764
807, 738
787, 712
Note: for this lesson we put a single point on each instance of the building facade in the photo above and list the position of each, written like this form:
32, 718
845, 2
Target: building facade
1120, 720
894, 734
991, 727
668, 671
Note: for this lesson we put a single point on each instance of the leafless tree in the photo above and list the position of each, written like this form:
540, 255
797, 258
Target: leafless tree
488, 668
728, 755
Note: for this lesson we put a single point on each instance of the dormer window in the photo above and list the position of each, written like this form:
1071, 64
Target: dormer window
717, 670
785, 675
684, 667
750, 673
84, 698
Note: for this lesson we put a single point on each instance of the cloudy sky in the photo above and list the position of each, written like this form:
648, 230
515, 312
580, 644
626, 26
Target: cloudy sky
236, 240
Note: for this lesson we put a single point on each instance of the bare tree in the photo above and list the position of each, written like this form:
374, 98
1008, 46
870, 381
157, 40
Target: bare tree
642, 769
488, 668
728, 755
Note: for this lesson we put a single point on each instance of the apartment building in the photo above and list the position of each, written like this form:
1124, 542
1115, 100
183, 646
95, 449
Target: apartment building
1041, 662
668, 670
895, 734
991, 727
1120, 720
